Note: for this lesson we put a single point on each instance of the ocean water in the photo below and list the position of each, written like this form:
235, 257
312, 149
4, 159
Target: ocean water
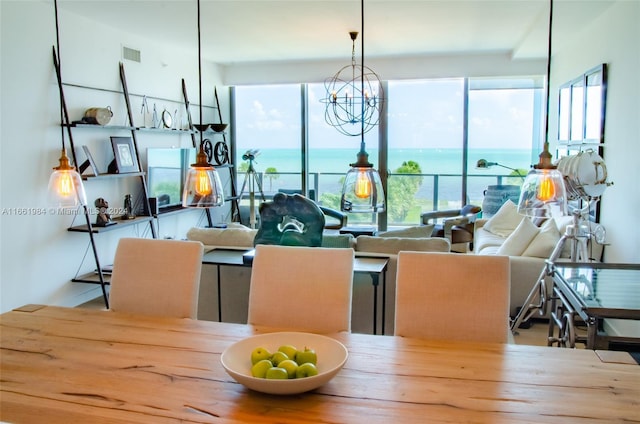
442, 169
431, 161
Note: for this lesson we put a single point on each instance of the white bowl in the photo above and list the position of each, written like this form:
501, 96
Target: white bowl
332, 355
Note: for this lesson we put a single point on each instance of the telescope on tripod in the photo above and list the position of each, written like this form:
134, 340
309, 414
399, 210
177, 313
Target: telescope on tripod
251, 182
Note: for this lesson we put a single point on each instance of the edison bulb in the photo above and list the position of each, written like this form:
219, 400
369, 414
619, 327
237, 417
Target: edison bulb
202, 183
363, 185
65, 184
547, 188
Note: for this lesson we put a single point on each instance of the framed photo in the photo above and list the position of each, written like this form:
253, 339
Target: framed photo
89, 162
126, 159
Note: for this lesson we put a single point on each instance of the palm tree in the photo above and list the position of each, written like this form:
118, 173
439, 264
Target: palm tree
272, 174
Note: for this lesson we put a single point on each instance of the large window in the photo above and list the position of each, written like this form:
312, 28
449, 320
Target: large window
425, 136
436, 132
268, 121
504, 126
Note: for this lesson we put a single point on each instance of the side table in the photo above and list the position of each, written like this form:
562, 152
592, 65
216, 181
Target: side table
592, 292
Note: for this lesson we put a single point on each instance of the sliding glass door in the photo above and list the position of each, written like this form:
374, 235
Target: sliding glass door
436, 131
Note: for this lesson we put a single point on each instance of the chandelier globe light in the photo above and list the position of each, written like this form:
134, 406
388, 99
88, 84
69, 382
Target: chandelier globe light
354, 96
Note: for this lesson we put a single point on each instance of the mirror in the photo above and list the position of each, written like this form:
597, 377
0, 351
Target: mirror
581, 108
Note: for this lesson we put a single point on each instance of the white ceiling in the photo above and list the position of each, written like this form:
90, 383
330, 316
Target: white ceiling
240, 31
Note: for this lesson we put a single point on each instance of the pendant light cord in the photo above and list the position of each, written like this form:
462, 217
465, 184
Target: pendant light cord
55, 6
362, 96
548, 82
200, 77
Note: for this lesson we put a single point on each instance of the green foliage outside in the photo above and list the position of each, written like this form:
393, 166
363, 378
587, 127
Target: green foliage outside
332, 200
402, 205
401, 196
272, 174
516, 177
244, 167
172, 189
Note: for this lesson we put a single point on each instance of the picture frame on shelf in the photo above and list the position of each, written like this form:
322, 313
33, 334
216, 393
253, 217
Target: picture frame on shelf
89, 162
125, 157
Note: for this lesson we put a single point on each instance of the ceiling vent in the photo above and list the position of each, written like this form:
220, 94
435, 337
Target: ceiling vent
130, 54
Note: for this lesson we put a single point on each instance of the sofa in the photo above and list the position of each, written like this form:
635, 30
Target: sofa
235, 280
528, 243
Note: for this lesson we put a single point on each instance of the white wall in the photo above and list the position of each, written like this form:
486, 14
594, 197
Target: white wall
613, 39
39, 257
479, 65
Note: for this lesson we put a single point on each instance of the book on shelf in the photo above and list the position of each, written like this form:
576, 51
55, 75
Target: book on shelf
106, 269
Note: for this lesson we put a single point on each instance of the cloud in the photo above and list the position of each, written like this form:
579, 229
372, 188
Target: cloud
266, 120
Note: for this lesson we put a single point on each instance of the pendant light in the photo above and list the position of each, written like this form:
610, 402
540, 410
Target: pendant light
362, 190
543, 190
65, 183
202, 188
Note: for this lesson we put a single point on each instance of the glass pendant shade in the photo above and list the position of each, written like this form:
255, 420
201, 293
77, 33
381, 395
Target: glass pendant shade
65, 186
203, 188
543, 194
362, 191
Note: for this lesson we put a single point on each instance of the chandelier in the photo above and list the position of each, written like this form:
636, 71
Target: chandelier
354, 96
353, 107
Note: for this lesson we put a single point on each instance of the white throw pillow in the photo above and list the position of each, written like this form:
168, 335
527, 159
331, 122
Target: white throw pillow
519, 239
544, 243
505, 221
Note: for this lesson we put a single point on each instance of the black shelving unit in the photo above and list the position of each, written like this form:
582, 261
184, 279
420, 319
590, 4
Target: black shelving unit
100, 277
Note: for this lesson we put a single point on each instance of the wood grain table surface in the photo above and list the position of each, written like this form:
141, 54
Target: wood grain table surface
72, 365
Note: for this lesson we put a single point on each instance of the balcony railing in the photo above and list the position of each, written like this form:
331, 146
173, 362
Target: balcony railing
436, 192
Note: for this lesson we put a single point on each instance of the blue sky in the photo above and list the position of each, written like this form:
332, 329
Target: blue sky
422, 114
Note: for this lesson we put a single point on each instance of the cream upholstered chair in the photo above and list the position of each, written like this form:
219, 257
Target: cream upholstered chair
301, 288
449, 296
156, 277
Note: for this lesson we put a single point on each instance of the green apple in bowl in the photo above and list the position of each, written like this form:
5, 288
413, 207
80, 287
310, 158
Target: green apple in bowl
258, 354
307, 355
291, 367
306, 370
289, 350
260, 368
278, 357
277, 373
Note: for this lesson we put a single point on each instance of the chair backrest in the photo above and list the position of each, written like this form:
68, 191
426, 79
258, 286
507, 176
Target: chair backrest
301, 288
450, 296
156, 277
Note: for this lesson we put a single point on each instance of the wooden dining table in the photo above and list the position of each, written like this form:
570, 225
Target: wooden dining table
73, 365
